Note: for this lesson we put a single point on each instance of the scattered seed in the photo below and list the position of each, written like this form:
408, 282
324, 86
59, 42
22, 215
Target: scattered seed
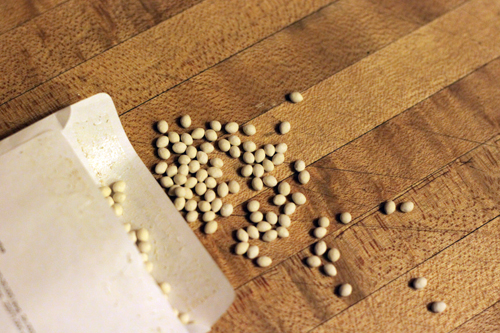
252, 252
211, 227
389, 207
180, 179
234, 140
224, 145
132, 236
313, 261
184, 318
187, 139
185, 121
173, 137
149, 266
264, 226
202, 157
257, 184
282, 232
258, 170
180, 192
208, 216
320, 248
235, 152
165, 287
191, 151
419, 283
226, 210
268, 165
285, 127
166, 182
175, 311
252, 231
162, 126
295, 97
189, 192
127, 227
164, 153
117, 209
278, 159
345, 217
241, 248
215, 125
319, 232
184, 159
299, 198
264, 261
214, 172
231, 127
299, 165
216, 205
210, 182
171, 190
194, 166
249, 129
329, 269
234, 186
289, 208
284, 220
256, 217
242, 235
345, 290
246, 171
216, 162
281, 148
191, 205
110, 201
162, 141
200, 188
304, 177
142, 234
211, 135
269, 149
160, 169
209, 195
253, 206
407, 207
207, 147
119, 186
284, 188
270, 181
106, 190
191, 216
198, 133
248, 157
204, 206
144, 247
201, 175
333, 255
183, 170
260, 155
179, 203
438, 307
270, 235
323, 222
222, 190
272, 218
249, 146
279, 200
179, 147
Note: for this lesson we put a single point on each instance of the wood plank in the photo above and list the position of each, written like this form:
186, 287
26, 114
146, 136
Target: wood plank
71, 34
485, 322
21, 11
161, 57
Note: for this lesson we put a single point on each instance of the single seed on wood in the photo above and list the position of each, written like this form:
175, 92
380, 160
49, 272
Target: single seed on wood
166, 182
295, 97
164, 153
345, 290
160, 169
249, 146
235, 152
165, 287
284, 188
106, 190
284, 220
216, 162
192, 216
110, 201
185, 121
209, 195
241, 248
222, 190
211, 227
215, 125
191, 151
210, 182
281, 148
216, 205
179, 147
278, 159
313, 261
162, 126
270, 181
279, 199
207, 147
132, 236
144, 247
246, 171
419, 283
173, 137
299, 165
224, 145
345, 217
264, 226
253, 206
172, 170
162, 141
191, 205
268, 165
260, 155
282, 232
204, 206
256, 217
187, 139
249, 129
269, 149
202, 157
234, 140
226, 209
438, 307
389, 207
198, 133
304, 177
200, 189
285, 127
320, 248
201, 175
214, 172
272, 218
257, 184
323, 222
242, 235
319, 232
142, 234
231, 127
183, 159
179, 203
330, 269
117, 209
270, 236
252, 231
264, 261
248, 157
258, 170
289, 208
252, 252
333, 255
211, 135
208, 216
299, 198
180, 179
194, 166
406, 206
183, 170
234, 186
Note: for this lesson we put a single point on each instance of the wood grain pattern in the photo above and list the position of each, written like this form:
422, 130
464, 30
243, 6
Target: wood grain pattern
487, 321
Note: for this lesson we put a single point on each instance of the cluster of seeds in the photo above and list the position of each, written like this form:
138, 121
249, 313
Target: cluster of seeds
115, 196
420, 283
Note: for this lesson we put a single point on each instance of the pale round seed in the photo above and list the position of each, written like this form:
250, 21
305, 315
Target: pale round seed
284, 220
269, 149
285, 127
179, 203
110, 201
160, 169
235, 152
264, 261
320, 248
282, 232
279, 200
407, 206
270, 236
246, 171
264, 226
231, 127
211, 227
281, 148
241, 248
187, 139
204, 206
257, 184
253, 206
256, 217
260, 155
162, 126
252, 231
172, 170
175, 311
268, 165
183, 159
248, 157
419, 283
210, 182
234, 140
438, 307
278, 159
214, 172
208, 216
209, 195
249, 129
171, 190
191, 205
216, 162
117, 209
242, 235
207, 147
216, 205
345, 217
119, 197
313, 261
295, 97
149, 266
106, 190
329, 269
270, 181
272, 218
185, 121
162, 141
180, 179
183, 170
224, 145
222, 190
333, 255
299, 165
145, 257
234, 186
194, 166
142, 234
200, 189
211, 135
258, 170
163, 153
127, 227
323, 222
345, 290
198, 133
165, 287
215, 125
299, 198
304, 177
319, 232
191, 151
289, 208
201, 175
249, 146
144, 247
173, 137
192, 216
389, 207
132, 236
179, 147
119, 186
166, 182
226, 209
253, 252
180, 192
189, 193
202, 157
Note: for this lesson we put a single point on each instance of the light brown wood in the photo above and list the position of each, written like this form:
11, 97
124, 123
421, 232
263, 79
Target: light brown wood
487, 321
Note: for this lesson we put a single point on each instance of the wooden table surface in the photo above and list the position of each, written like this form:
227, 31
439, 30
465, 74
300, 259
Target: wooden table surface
401, 101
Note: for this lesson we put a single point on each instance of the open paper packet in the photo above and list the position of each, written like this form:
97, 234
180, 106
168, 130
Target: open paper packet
66, 262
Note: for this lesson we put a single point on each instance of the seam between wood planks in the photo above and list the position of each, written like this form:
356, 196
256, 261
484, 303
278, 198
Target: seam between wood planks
474, 317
